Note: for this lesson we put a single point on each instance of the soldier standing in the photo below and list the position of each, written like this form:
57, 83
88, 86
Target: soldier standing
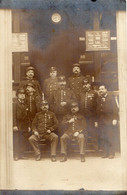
107, 114
30, 72
74, 127
33, 101
76, 80
62, 98
88, 107
51, 84
21, 124
44, 126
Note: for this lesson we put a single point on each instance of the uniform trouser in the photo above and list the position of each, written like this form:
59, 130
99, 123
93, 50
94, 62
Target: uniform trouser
52, 138
80, 138
92, 131
107, 139
20, 142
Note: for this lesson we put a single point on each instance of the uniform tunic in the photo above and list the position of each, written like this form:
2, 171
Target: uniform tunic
50, 85
42, 122
33, 104
62, 96
75, 83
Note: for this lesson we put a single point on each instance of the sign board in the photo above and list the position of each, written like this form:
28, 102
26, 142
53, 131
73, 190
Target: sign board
97, 40
19, 42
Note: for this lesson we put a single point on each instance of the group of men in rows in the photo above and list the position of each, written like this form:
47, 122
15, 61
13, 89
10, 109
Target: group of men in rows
62, 109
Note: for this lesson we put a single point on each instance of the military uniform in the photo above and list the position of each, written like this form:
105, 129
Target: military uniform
25, 82
33, 104
62, 96
50, 85
31, 80
88, 108
21, 121
79, 125
75, 84
42, 122
106, 112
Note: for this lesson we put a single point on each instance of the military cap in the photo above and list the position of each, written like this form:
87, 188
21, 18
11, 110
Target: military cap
74, 65
44, 102
53, 69
30, 84
61, 78
30, 68
20, 90
74, 104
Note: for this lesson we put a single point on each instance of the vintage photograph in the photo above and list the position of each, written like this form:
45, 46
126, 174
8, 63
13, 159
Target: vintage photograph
65, 78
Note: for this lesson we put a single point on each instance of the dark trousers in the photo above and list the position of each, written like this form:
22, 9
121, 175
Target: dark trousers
81, 141
52, 138
107, 139
92, 131
20, 142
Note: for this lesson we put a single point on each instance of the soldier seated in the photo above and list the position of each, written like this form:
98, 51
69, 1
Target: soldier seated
44, 126
75, 127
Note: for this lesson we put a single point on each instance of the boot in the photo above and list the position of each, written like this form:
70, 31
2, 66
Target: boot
64, 158
82, 158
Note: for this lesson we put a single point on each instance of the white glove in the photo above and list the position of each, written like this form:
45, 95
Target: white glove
114, 122
96, 124
48, 131
15, 128
76, 134
71, 120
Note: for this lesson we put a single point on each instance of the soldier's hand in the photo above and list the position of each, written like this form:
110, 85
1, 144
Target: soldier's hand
48, 131
114, 122
36, 133
71, 120
15, 128
76, 134
63, 103
29, 129
96, 124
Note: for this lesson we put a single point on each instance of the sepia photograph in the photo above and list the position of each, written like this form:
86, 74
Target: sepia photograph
63, 95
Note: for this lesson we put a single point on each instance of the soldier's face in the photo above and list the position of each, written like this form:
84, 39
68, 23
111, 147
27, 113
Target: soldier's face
86, 86
30, 73
21, 96
53, 74
102, 90
62, 84
74, 109
76, 70
30, 89
44, 107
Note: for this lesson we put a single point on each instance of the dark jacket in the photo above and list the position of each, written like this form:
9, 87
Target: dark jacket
88, 103
75, 83
44, 121
50, 85
20, 115
106, 110
62, 95
33, 104
79, 124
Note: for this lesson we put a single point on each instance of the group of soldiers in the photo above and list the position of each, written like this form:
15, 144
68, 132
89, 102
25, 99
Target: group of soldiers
65, 109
